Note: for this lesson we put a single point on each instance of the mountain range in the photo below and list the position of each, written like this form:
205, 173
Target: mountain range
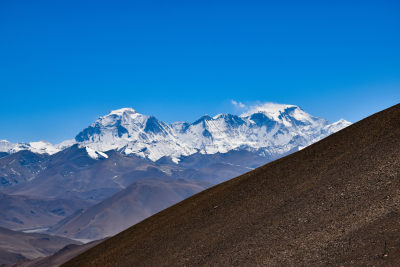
126, 166
335, 202
269, 130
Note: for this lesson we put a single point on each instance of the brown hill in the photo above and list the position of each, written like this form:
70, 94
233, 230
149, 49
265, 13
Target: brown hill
58, 258
133, 204
335, 202
25, 212
18, 246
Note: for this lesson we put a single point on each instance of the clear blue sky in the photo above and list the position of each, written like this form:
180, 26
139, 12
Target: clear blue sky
64, 63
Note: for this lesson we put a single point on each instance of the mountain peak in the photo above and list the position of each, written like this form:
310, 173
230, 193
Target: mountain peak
338, 125
41, 147
271, 109
343, 121
5, 146
122, 111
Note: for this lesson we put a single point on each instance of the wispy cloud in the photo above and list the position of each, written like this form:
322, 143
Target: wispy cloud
238, 104
274, 109
255, 107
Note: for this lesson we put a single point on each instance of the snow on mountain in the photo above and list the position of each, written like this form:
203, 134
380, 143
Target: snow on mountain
336, 126
40, 147
269, 129
95, 154
65, 144
6, 146
43, 147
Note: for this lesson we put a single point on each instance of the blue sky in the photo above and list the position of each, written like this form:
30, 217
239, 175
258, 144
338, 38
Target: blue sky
64, 63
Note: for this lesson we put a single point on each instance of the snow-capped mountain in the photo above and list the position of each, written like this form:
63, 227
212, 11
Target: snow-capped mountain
41, 147
269, 129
